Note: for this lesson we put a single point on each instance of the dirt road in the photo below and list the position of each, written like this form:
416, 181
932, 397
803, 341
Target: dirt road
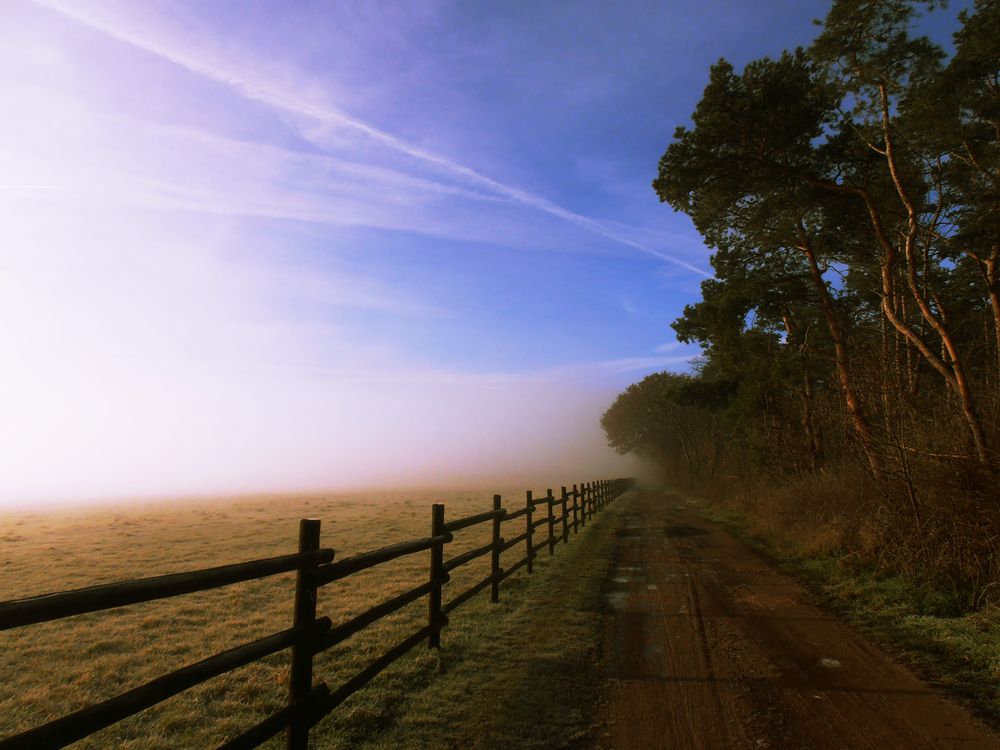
706, 645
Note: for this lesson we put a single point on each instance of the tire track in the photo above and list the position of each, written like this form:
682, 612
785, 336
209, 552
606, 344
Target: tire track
706, 646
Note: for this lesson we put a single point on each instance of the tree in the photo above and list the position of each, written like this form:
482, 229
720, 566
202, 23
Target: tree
747, 176
867, 54
667, 415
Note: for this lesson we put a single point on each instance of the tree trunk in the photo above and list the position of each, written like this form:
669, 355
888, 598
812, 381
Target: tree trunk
806, 395
958, 380
861, 424
991, 271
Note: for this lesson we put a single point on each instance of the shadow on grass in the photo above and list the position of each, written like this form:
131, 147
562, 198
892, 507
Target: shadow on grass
524, 673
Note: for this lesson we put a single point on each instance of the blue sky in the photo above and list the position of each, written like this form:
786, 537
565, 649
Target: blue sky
255, 245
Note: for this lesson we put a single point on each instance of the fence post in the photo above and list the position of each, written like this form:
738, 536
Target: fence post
437, 573
589, 495
576, 508
583, 504
565, 521
300, 673
495, 554
528, 515
550, 501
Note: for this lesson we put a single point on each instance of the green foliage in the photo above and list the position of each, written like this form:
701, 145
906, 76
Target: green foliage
850, 193
643, 417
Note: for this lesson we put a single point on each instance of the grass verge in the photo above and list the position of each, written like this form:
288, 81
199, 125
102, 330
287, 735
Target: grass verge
957, 652
522, 673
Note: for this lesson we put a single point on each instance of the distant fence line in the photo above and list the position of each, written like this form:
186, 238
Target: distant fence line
309, 702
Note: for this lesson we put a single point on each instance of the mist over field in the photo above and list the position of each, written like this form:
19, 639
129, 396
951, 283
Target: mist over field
260, 436
251, 249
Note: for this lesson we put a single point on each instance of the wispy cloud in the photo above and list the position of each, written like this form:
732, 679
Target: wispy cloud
258, 89
32, 187
128, 162
668, 347
578, 372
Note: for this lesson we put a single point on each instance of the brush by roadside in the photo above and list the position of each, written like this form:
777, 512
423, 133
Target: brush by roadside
958, 652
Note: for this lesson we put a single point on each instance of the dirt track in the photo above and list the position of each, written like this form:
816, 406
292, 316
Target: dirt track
706, 645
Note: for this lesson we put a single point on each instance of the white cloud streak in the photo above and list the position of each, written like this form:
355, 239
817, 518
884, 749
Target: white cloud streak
264, 93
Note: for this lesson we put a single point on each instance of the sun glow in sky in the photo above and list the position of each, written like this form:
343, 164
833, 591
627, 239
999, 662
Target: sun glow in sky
249, 246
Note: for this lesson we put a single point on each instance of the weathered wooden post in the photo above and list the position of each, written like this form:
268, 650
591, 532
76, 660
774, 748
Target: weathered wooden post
583, 504
301, 670
563, 498
495, 552
550, 500
528, 515
437, 573
576, 508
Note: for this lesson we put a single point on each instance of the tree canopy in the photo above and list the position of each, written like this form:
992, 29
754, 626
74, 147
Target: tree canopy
850, 194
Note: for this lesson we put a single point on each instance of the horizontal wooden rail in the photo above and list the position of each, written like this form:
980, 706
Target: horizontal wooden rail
86, 721
515, 514
508, 572
465, 557
542, 544
361, 679
461, 523
345, 630
260, 733
462, 598
540, 522
515, 541
56, 606
335, 571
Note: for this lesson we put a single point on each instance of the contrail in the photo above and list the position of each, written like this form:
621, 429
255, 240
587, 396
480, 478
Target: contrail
264, 94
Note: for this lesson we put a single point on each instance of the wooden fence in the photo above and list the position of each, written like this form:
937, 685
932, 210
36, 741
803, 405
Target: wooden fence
309, 701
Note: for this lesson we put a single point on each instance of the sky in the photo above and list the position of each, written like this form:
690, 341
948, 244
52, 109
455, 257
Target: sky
254, 246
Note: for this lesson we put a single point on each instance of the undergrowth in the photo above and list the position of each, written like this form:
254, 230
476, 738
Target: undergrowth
933, 631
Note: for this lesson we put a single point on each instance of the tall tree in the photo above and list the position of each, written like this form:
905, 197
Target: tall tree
747, 173
868, 55
957, 117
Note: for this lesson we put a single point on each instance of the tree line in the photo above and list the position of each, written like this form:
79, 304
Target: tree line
850, 192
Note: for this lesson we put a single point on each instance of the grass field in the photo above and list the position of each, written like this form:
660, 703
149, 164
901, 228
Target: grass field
50, 669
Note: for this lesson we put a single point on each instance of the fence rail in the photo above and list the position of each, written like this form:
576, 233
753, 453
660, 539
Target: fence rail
309, 702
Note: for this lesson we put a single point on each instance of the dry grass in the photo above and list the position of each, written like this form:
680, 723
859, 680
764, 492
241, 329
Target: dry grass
49, 669
860, 571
